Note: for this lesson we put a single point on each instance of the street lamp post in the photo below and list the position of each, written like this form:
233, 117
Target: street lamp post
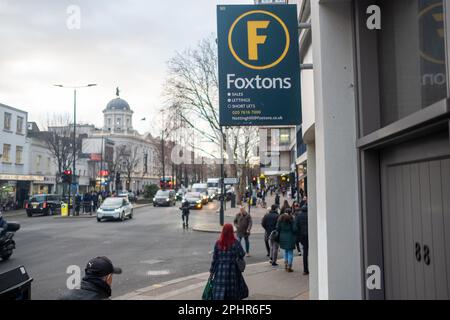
74, 131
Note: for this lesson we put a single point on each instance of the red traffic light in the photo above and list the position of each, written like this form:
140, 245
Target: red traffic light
68, 172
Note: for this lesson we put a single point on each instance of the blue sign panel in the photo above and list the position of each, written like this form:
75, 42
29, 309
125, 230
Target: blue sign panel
259, 65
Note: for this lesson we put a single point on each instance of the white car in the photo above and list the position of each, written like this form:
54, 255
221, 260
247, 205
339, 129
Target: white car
115, 209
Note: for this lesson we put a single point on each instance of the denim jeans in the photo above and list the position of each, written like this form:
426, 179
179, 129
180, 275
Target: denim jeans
247, 243
274, 251
289, 256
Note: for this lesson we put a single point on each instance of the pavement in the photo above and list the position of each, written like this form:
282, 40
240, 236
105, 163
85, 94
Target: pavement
264, 282
257, 213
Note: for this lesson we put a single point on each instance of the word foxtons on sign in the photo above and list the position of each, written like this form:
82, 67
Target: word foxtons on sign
259, 66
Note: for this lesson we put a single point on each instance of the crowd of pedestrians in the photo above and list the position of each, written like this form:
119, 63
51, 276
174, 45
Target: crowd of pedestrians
286, 228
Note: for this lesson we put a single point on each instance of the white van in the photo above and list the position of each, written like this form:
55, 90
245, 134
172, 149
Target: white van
202, 188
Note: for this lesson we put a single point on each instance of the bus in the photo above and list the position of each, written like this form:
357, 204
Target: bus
166, 182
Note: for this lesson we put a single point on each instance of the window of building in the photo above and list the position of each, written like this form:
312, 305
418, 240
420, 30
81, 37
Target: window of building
48, 164
411, 53
7, 121
19, 154
109, 121
285, 136
6, 153
38, 163
19, 125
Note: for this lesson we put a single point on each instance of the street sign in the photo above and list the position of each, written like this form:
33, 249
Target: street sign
231, 180
259, 65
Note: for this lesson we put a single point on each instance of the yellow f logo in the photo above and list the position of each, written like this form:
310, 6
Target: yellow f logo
254, 39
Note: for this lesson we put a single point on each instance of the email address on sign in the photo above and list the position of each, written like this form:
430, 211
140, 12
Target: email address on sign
252, 118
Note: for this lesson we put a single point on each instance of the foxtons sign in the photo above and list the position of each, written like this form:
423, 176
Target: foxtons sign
259, 67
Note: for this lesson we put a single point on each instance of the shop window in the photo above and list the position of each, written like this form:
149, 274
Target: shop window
411, 57
7, 121
6, 153
19, 154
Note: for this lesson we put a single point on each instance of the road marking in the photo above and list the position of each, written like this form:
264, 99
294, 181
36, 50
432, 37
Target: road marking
158, 272
152, 261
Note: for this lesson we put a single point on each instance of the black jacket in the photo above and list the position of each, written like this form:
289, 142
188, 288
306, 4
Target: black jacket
269, 221
3, 226
185, 208
91, 289
301, 221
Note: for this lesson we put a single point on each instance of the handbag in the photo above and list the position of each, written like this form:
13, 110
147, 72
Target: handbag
208, 291
240, 262
274, 236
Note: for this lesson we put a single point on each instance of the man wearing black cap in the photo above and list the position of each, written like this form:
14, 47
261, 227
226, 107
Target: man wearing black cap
96, 285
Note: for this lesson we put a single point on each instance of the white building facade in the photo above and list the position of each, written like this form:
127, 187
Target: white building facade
376, 124
15, 180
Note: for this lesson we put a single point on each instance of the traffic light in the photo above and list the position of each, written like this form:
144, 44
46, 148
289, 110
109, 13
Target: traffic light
254, 181
67, 176
118, 177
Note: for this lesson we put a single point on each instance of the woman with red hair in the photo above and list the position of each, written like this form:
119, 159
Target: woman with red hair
228, 282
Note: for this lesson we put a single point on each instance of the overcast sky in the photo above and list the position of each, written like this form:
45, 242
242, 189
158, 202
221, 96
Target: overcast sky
124, 43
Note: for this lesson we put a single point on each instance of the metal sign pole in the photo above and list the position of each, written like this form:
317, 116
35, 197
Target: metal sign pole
222, 180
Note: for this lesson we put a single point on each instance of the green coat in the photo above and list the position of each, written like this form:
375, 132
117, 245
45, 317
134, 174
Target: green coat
287, 233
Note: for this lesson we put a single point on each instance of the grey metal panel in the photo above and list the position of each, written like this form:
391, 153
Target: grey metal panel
425, 199
393, 231
387, 251
408, 227
437, 247
417, 230
400, 231
445, 173
372, 217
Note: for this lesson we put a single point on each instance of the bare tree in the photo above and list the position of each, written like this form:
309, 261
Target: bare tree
192, 93
128, 160
59, 140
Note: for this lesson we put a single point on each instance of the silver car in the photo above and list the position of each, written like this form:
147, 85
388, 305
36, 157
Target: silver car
115, 209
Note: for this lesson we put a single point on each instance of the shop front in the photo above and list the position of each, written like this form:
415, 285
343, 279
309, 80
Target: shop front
45, 186
15, 189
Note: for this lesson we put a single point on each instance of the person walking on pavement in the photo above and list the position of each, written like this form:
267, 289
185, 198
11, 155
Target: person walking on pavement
87, 203
297, 210
263, 194
96, 285
304, 201
277, 199
185, 214
301, 224
269, 223
287, 234
94, 201
77, 204
243, 223
286, 207
227, 279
